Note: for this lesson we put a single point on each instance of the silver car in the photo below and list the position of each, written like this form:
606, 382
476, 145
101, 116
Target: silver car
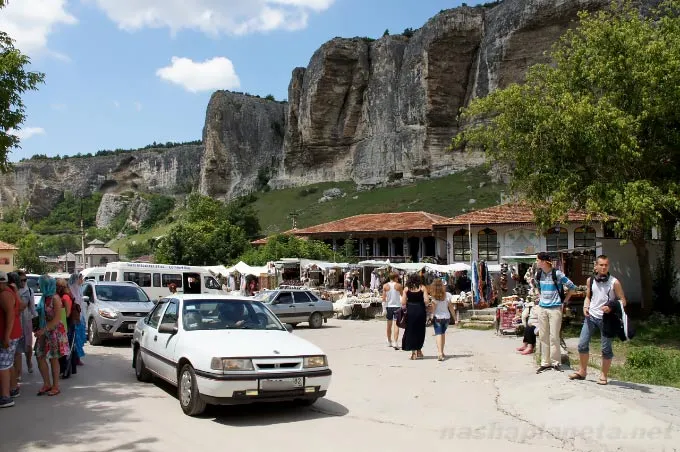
295, 306
113, 309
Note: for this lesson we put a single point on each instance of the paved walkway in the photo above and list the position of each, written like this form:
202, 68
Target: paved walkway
485, 397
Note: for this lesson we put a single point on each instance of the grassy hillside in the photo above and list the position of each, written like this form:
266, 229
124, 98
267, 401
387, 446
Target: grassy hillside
444, 196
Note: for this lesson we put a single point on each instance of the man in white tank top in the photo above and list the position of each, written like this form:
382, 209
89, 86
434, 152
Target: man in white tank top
392, 299
605, 288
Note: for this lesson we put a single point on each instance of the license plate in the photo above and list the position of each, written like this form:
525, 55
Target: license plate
281, 384
131, 326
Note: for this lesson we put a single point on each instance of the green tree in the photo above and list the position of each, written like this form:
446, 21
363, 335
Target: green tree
598, 129
137, 249
15, 80
280, 246
241, 213
28, 255
387, 32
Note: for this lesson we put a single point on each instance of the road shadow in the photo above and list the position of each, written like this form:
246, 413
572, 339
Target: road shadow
115, 343
93, 407
460, 355
262, 414
324, 327
629, 385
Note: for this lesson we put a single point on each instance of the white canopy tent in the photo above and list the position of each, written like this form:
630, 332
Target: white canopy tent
241, 267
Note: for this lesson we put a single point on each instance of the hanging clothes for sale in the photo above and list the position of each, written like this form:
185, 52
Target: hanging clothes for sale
475, 281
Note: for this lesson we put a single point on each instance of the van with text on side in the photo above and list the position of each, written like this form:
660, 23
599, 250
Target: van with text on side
154, 279
93, 273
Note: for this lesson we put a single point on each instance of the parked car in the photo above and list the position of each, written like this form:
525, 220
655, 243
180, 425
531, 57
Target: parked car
113, 309
295, 306
223, 350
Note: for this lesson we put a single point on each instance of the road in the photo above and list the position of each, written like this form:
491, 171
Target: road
484, 397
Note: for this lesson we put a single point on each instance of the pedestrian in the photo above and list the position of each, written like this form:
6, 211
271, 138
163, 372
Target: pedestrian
173, 288
442, 316
414, 298
69, 317
601, 288
51, 340
550, 284
75, 285
391, 296
27, 297
530, 321
10, 333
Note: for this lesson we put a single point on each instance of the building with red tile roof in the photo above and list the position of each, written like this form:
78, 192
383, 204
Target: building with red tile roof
7, 256
398, 236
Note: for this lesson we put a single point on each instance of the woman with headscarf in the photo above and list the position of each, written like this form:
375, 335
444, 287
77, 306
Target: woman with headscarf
51, 340
75, 284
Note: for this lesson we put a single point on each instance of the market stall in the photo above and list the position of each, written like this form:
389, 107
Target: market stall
363, 305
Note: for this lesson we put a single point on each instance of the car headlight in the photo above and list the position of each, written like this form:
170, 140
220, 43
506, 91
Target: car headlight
108, 313
315, 361
230, 364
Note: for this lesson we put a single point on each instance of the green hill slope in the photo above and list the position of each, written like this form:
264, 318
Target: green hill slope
446, 196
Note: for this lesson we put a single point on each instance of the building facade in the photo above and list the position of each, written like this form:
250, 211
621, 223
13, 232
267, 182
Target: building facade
96, 255
8, 254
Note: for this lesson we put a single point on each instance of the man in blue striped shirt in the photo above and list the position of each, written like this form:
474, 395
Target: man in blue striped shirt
551, 284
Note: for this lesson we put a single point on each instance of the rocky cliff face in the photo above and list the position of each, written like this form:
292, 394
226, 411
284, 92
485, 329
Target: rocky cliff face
374, 112
243, 136
40, 184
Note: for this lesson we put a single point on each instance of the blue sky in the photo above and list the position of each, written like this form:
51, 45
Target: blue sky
111, 81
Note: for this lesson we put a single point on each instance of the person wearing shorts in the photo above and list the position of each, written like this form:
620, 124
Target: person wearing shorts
442, 315
392, 298
10, 332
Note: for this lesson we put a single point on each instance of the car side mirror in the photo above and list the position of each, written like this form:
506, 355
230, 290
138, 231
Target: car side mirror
168, 328
86, 299
289, 327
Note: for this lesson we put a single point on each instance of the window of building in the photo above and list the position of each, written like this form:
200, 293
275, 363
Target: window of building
584, 237
487, 246
461, 246
557, 239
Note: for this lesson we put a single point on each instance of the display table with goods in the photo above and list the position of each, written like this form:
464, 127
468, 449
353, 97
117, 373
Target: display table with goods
363, 305
332, 295
509, 315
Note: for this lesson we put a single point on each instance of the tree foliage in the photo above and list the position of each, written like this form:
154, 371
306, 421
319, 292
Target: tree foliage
281, 246
599, 128
15, 80
238, 212
28, 255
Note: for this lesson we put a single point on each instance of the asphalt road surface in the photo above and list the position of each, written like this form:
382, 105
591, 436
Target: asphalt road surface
484, 397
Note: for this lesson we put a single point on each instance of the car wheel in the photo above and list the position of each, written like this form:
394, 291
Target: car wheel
93, 334
189, 398
141, 372
316, 320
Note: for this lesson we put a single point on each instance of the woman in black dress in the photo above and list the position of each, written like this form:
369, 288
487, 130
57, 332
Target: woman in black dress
414, 298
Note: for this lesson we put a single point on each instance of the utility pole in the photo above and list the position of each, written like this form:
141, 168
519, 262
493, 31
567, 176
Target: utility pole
293, 216
82, 234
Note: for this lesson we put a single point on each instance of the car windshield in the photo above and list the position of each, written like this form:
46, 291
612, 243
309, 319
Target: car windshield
32, 283
122, 293
228, 315
265, 297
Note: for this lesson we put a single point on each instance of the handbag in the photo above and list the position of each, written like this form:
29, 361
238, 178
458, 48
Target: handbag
401, 315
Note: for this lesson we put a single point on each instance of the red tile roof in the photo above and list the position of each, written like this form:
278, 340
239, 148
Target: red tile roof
511, 213
6, 246
375, 222
372, 222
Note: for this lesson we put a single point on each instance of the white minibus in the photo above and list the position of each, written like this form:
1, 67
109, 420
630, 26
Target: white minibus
154, 279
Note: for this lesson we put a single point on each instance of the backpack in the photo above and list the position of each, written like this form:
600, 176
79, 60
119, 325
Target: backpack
560, 288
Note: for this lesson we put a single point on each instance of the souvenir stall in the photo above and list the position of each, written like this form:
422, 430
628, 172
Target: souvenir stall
361, 306
578, 264
481, 285
515, 285
289, 273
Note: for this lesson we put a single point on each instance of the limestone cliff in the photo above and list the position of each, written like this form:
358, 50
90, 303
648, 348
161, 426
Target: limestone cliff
40, 184
371, 111
243, 135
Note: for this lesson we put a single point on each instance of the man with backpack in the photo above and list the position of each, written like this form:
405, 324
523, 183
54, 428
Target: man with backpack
550, 284
602, 290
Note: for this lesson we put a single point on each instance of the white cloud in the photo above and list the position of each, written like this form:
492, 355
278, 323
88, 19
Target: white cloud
116, 104
30, 22
138, 106
209, 75
27, 132
213, 17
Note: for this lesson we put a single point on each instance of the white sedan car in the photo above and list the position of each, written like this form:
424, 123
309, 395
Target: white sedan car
225, 350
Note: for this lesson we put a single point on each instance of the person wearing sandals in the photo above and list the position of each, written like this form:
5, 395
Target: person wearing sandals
414, 299
51, 340
28, 314
10, 333
442, 316
603, 289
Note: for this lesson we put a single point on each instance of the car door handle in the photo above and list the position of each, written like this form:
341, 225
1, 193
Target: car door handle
142, 332
155, 338
311, 304
291, 306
